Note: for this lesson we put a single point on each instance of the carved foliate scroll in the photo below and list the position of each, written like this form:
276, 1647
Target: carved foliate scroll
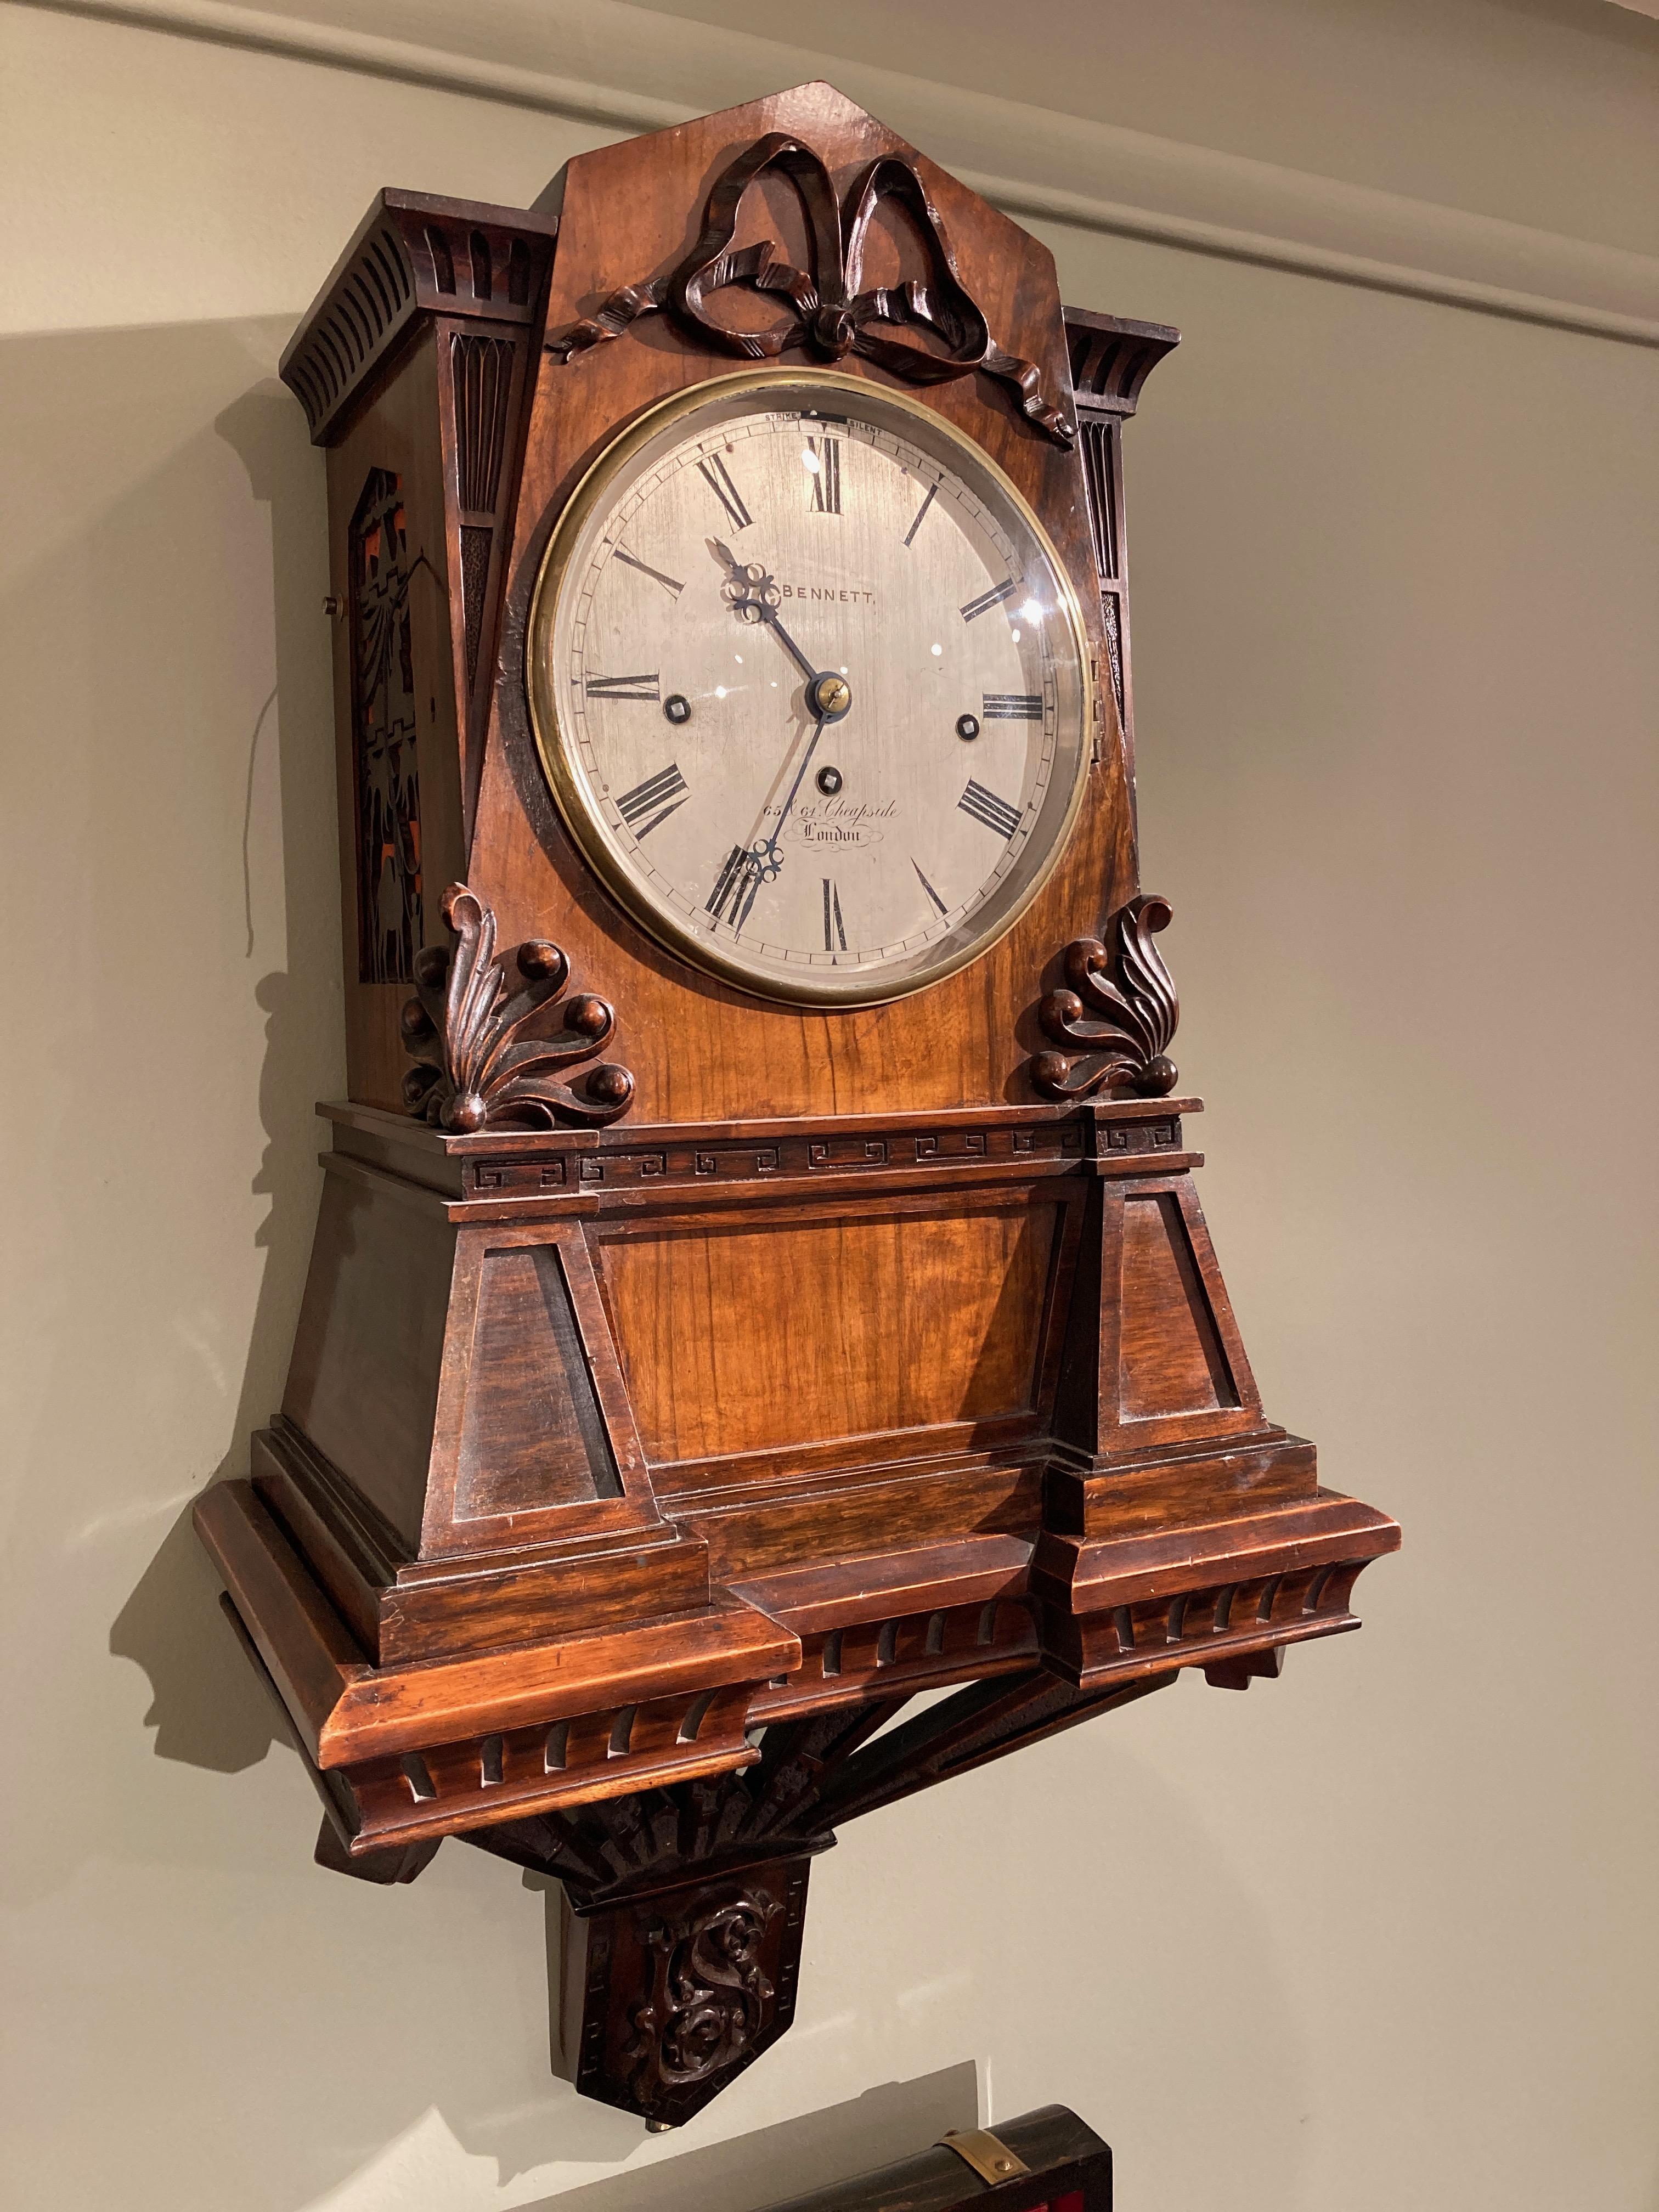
479, 1062
710, 2000
1117, 1019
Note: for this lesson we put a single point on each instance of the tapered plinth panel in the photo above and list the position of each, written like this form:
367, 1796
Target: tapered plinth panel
687, 1377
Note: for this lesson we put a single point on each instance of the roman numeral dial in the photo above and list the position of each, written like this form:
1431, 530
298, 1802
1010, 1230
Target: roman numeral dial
718, 477
994, 598
920, 515
671, 584
777, 629
1012, 706
934, 898
735, 887
624, 687
649, 805
983, 805
823, 458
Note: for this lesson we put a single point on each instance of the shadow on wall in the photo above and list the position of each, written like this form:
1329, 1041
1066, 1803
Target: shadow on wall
744, 2173
207, 1709
750, 2172
175, 1943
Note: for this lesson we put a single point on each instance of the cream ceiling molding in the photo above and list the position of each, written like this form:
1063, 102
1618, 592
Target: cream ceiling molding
637, 70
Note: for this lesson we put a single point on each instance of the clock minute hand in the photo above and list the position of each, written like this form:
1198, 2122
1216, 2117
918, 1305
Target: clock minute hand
760, 858
805, 762
828, 698
753, 597
762, 839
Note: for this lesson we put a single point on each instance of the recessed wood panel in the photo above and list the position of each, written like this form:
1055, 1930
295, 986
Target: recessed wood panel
533, 1435
1169, 1358
363, 1384
754, 1338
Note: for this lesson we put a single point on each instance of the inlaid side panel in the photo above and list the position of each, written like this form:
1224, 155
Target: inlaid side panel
1169, 1359
386, 765
481, 376
398, 768
534, 1441
753, 1337
532, 1434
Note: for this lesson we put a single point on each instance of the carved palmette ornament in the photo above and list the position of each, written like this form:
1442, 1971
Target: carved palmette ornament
834, 316
1117, 1019
710, 2000
476, 1065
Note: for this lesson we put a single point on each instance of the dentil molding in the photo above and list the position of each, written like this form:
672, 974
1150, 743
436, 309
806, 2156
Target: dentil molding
1033, 162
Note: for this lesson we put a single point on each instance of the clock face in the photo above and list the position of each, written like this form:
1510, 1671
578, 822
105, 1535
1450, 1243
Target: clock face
810, 684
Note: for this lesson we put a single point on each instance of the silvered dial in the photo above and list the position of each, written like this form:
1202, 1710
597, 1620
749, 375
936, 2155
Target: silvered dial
809, 682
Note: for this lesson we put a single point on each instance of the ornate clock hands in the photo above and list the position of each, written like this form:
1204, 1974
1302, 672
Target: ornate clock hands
818, 721
748, 590
760, 858
753, 596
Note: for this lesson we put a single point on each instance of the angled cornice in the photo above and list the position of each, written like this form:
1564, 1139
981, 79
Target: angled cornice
1036, 164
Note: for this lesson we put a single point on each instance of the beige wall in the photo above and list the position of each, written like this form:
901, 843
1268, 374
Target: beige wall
1382, 1934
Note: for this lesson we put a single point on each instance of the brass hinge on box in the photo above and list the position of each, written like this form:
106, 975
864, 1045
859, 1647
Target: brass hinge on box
990, 2158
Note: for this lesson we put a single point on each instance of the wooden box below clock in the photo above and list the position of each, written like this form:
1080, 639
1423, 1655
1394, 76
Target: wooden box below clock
697, 1314
544, 1383
496, 1568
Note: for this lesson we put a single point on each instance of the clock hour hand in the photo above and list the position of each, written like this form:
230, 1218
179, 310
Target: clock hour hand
753, 597
805, 762
748, 589
795, 655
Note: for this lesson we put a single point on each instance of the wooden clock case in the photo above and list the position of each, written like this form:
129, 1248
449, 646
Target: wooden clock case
659, 1424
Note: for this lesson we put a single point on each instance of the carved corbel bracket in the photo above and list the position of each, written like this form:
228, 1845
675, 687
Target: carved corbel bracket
684, 1935
708, 1983
1116, 1021
476, 1067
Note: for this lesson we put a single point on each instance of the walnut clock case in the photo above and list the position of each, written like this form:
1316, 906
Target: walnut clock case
760, 1275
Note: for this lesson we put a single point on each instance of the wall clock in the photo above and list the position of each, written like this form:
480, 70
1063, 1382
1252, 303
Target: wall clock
759, 1276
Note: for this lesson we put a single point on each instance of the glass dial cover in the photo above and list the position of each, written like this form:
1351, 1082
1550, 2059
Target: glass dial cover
810, 683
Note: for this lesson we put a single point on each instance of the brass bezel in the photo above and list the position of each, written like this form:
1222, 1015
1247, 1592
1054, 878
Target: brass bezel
591, 833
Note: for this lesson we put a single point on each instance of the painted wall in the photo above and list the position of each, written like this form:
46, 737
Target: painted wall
1381, 1933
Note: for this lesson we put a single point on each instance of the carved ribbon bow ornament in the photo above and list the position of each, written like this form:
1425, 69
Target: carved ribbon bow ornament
834, 314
